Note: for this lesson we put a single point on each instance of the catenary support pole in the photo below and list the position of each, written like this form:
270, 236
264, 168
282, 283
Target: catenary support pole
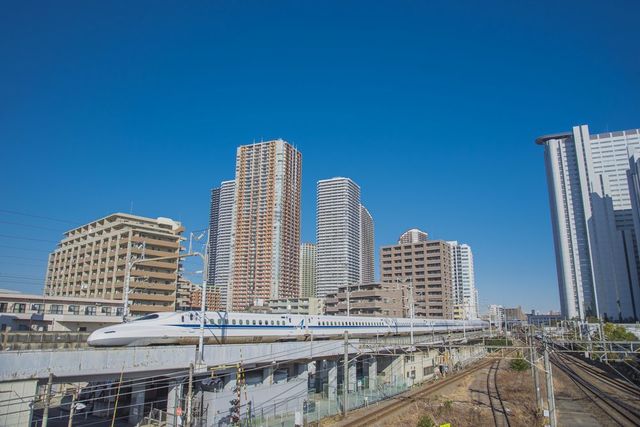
534, 371
550, 395
190, 395
47, 400
345, 375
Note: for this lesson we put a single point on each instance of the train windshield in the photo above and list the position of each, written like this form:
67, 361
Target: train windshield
147, 317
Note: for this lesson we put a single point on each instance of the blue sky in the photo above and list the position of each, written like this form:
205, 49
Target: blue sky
431, 107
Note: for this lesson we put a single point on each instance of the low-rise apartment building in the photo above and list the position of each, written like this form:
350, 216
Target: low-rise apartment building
26, 312
371, 299
92, 262
425, 266
309, 306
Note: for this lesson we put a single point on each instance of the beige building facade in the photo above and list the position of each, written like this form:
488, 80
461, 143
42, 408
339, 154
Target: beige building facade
265, 238
371, 299
307, 270
309, 306
27, 312
92, 261
425, 266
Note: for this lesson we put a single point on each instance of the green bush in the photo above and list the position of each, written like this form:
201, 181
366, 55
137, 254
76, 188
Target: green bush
426, 421
519, 364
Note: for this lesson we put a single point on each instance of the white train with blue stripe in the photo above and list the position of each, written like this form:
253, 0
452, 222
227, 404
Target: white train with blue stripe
222, 327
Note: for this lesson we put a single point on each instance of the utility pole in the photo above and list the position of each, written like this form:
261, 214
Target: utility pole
411, 307
345, 375
550, 395
190, 395
203, 303
72, 408
47, 400
127, 278
602, 339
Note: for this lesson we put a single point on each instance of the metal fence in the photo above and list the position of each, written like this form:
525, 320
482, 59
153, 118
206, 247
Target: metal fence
28, 340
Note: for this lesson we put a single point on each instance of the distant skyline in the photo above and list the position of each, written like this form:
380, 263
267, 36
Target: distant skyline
431, 109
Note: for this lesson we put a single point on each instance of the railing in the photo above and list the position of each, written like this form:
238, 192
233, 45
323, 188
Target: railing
39, 340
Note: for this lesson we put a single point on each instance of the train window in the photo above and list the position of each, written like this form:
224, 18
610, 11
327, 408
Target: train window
233, 321
254, 321
147, 317
272, 322
259, 322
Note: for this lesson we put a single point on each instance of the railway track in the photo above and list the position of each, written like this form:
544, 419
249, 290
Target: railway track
500, 416
600, 389
621, 384
374, 414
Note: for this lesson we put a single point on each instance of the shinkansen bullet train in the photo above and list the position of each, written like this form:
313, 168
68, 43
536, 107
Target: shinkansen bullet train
222, 327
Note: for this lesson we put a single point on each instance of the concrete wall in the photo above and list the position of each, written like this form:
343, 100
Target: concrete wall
15, 402
270, 394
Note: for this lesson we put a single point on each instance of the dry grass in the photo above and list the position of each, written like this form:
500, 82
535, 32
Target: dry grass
516, 390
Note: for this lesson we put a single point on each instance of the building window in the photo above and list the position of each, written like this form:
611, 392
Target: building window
56, 309
38, 308
90, 310
19, 307
3, 307
75, 309
106, 311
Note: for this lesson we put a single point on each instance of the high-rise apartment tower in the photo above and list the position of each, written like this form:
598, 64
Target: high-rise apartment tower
265, 239
463, 285
337, 235
220, 222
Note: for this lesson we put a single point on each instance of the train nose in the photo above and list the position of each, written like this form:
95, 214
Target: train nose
103, 337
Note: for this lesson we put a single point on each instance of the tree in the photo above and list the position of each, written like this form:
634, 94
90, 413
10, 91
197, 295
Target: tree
615, 332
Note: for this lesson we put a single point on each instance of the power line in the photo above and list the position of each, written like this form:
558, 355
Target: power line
37, 216
24, 249
22, 257
19, 224
21, 264
23, 277
27, 238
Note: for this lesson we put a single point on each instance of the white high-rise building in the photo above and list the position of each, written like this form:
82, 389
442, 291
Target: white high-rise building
496, 315
463, 284
337, 235
413, 236
367, 247
220, 222
307, 270
593, 224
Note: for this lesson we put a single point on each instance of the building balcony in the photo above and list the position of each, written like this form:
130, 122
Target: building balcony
156, 242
